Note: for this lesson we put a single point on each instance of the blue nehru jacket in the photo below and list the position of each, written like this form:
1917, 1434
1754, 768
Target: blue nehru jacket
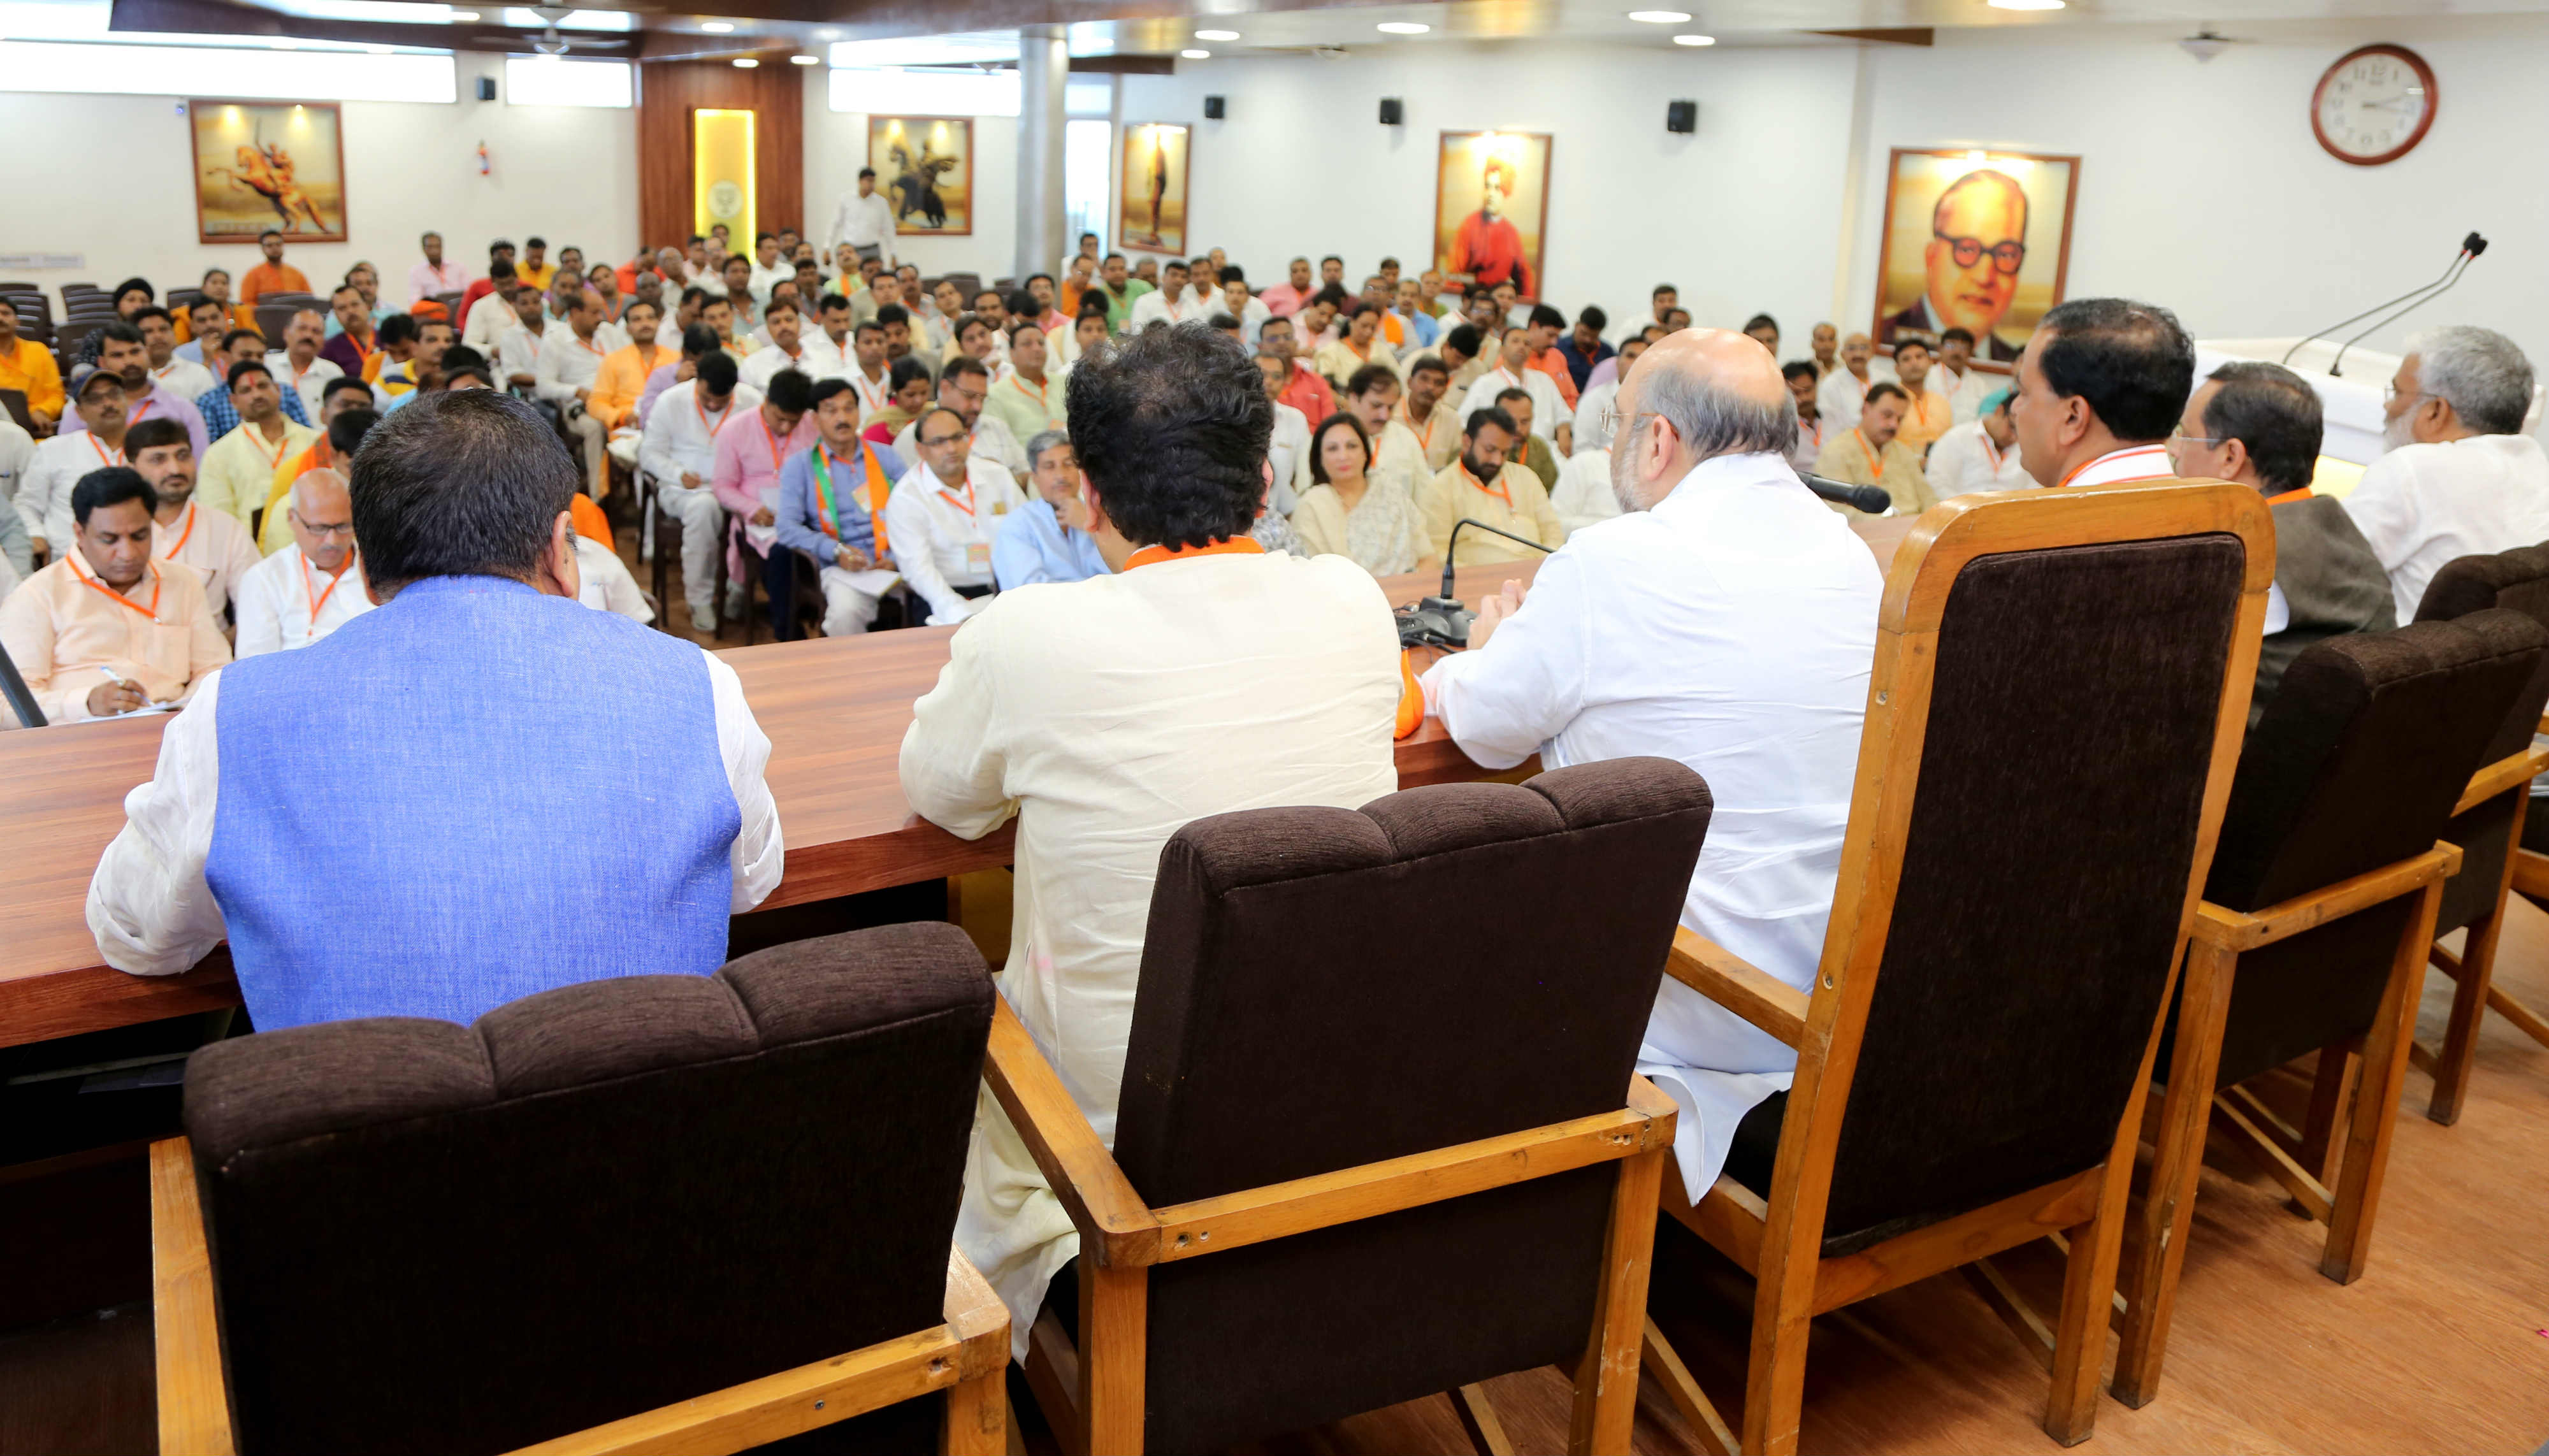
472, 794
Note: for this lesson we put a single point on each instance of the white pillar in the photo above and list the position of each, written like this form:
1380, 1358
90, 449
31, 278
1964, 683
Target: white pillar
1044, 68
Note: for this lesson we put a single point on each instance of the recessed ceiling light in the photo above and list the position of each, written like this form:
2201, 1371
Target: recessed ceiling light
1216, 35
1659, 17
801, 59
745, 62
1694, 39
715, 27
465, 17
1403, 28
2026, 4
1194, 56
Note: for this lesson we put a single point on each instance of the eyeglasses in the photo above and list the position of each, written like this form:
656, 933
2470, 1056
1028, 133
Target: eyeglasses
323, 533
1616, 421
2179, 440
2007, 257
2390, 395
942, 441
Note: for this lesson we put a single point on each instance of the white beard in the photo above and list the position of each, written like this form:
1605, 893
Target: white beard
2396, 432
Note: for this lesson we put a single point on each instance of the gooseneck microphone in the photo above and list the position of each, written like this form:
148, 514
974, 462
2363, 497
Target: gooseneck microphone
13, 690
2471, 247
1871, 499
1441, 621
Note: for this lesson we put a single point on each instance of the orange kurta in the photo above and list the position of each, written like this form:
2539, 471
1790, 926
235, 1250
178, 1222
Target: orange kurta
266, 278
622, 382
30, 367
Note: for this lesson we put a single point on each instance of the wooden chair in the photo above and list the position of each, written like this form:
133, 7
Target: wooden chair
647, 1214
2312, 935
2490, 825
1973, 1055
1368, 1147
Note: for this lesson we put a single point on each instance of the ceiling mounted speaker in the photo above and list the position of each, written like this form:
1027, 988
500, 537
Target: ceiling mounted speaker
1214, 109
1681, 116
1394, 112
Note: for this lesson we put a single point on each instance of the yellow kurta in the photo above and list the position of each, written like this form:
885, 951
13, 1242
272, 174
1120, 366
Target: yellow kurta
1519, 505
1847, 457
64, 629
30, 367
1105, 714
238, 471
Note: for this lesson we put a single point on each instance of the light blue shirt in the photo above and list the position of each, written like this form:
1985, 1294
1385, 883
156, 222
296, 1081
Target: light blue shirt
1033, 545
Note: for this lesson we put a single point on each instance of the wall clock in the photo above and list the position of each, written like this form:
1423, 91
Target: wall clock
2374, 104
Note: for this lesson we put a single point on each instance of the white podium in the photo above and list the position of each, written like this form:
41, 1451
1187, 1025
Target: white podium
2351, 404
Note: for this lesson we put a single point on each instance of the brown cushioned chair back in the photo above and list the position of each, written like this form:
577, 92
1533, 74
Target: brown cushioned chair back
2517, 580
594, 1200
1323, 989
2355, 765
2044, 872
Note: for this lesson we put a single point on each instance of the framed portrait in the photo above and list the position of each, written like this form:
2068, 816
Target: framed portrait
1974, 240
1150, 210
925, 170
1492, 208
261, 165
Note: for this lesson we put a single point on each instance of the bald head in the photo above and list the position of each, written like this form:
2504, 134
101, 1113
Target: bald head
1696, 395
322, 518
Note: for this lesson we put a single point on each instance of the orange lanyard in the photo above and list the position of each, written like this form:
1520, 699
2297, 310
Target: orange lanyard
763, 420
1920, 409
588, 347
1425, 441
316, 599
1234, 546
1875, 467
103, 457
702, 411
119, 599
2118, 455
2301, 493
148, 400
274, 460
1020, 386
967, 504
1502, 491
185, 535
1991, 452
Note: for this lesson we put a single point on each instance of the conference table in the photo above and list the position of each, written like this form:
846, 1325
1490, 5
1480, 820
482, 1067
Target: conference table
834, 709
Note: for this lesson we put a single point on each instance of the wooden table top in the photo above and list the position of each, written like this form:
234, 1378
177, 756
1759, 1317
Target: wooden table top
835, 710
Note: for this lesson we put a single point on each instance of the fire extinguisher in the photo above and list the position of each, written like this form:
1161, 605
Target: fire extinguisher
485, 163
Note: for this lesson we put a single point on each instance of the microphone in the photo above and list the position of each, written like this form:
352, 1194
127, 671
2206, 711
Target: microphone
2471, 247
1871, 499
13, 689
1440, 620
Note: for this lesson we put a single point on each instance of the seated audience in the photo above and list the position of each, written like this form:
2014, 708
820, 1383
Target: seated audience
312, 586
57, 464
17, 540
1171, 303
1965, 387
789, 347
620, 383
201, 326
865, 365
604, 582
1305, 391
943, 515
297, 368
1287, 443
105, 628
1427, 415
564, 373
1583, 496
273, 275
1355, 508
1511, 369
913, 385
131, 297
1530, 451
28, 368
400, 364
1583, 349
1927, 413
185, 378
344, 417
478, 663
352, 343
679, 451
1980, 454
122, 353
1844, 391
2460, 475
1025, 398
1763, 329
697, 340
1823, 344
433, 275
238, 471
221, 411
830, 500
1236, 301
1728, 621
752, 445
1593, 407
1047, 540
211, 542
1371, 396
1230, 680
1360, 345
1872, 453
2259, 424
1483, 485
965, 386
2100, 386
1546, 325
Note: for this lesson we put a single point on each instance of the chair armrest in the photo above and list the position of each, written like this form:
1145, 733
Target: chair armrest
1738, 985
2504, 774
1111, 1218
2530, 872
2243, 930
976, 1317
194, 1396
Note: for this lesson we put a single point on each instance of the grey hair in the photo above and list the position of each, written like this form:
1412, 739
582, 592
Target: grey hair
1043, 440
2479, 372
1712, 421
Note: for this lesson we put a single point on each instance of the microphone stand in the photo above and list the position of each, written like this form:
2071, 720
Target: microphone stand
2460, 266
13, 687
1441, 621
2471, 247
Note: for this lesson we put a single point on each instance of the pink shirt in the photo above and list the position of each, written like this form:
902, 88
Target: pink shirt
745, 475
1283, 300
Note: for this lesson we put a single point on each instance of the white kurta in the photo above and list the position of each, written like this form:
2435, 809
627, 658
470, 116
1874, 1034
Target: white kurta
1842, 396
213, 543
2422, 505
185, 378
308, 381
1583, 494
1288, 450
1965, 460
273, 603
942, 537
1106, 714
1732, 628
815, 359
1548, 410
605, 583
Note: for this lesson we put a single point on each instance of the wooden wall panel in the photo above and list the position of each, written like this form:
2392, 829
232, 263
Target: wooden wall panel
668, 91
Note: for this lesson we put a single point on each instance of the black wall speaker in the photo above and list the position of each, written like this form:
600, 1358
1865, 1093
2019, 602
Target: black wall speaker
1394, 112
1681, 116
1212, 109
486, 88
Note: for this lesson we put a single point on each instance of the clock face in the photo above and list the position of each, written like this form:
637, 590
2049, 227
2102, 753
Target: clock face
2374, 104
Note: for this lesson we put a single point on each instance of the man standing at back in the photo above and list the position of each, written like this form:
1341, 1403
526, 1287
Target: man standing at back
478, 834
1203, 676
2460, 477
2099, 388
1728, 620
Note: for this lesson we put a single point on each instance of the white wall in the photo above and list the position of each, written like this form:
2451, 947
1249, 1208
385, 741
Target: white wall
107, 176
836, 147
1744, 217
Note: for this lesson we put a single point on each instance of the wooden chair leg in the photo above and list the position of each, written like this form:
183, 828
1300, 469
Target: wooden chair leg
1606, 1378
2332, 1093
2087, 1292
2167, 1210
2376, 1100
2469, 1007
1114, 1344
1697, 1410
1486, 1433
978, 1416
1774, 1386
